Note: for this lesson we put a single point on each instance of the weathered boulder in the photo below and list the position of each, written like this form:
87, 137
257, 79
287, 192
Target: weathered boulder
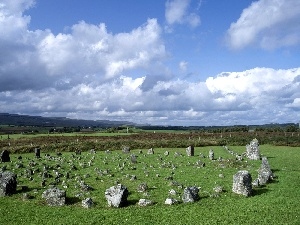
265, 173
116, 196
190, 194
190, 151
242, 183
54, 196
8, 183
4, 156
87, 203
144, 202
171, 201
252, 150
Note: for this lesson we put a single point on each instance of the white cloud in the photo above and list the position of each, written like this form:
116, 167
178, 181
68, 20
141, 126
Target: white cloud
260, 95
86, 73
183, 65
177, 12
88, 54
268, 23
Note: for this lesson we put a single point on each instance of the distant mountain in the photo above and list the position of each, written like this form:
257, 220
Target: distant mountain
26, 120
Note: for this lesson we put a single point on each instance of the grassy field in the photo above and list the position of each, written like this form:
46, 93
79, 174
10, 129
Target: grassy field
275, 203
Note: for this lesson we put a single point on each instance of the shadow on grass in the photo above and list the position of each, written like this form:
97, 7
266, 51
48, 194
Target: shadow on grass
72, 200
260, 191
25, 189
132, 202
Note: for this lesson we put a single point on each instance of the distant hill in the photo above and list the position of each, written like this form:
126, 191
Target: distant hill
25, 120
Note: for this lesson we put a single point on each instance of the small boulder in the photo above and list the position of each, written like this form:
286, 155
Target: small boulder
144, 202
190, 194
171, 201
116, 196
54, 196
87, 203
8, 183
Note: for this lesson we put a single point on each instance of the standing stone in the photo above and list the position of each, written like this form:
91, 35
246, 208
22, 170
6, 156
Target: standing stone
37, 152
150, 151
54, 196
116, 196
8, 183
252, 150
78, 151
166, 153
87, 203
265, 173
133, 158
126, 149
211, 154
190, 194
190, 151
242, 183
4, 156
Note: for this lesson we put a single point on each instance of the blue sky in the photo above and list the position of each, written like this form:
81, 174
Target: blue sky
173, 62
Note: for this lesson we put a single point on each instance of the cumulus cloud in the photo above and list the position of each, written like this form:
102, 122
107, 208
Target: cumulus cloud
87, 73
87, 54
248, 97
177, 12
267, 23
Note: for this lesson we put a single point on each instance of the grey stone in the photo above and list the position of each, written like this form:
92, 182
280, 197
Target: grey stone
171, 201
37, 152
218, 189
199, 164
172, 192
150, 151
4, 156
242, 183
252, 150
144, 202
8, 183
142, 187
126, 149
133, 158
190, 194
211, 154
116, 196
85, 187
255, 183
190, 151
54, 196
265, 173
87, 203
26, 196
166, 153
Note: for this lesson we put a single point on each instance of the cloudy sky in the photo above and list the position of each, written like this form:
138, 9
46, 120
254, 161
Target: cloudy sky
162, 62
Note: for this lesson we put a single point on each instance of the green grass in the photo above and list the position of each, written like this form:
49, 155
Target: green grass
275, 203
